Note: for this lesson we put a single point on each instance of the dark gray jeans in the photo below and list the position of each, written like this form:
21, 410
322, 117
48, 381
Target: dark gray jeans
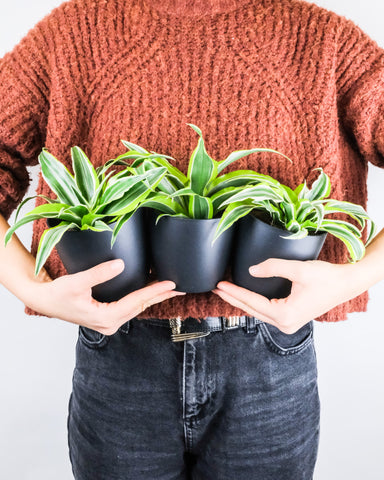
237, 404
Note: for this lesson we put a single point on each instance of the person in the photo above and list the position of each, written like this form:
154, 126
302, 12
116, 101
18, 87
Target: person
241, 402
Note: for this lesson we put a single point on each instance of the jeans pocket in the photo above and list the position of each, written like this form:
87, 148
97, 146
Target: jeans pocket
92, 338
284, 343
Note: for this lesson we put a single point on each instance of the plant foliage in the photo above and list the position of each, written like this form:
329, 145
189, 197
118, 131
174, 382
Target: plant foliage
90, 199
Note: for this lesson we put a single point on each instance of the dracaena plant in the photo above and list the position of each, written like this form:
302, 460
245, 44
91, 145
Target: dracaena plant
200, 193
91, 199
303, 211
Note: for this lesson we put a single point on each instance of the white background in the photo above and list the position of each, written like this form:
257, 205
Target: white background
37, 354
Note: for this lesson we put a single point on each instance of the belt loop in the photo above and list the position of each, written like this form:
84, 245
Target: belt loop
223, 323
251, 324
125, 327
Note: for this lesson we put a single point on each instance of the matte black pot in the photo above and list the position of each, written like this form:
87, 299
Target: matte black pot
257, 241
83, 249
182, 252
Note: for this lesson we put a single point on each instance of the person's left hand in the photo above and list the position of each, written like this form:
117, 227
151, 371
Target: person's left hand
317, 287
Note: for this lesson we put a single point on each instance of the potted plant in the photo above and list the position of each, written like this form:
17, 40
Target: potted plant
95, 217
186, 210
293, 226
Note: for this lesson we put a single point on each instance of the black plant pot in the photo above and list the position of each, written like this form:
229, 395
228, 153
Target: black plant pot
181, 251
83, 249
257, 241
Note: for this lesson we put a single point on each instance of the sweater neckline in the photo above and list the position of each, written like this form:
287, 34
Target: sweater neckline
183, 8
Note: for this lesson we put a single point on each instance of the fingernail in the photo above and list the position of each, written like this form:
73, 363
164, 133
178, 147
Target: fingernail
253, 270
117, 264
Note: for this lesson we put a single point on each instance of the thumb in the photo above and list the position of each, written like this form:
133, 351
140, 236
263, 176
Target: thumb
98, 274
277, 267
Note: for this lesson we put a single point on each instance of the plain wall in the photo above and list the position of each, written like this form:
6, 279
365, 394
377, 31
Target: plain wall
37, 354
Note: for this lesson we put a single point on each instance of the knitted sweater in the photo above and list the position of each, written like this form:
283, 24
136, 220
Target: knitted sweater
283, 74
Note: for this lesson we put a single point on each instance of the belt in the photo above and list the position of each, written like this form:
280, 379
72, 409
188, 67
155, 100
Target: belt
191, 328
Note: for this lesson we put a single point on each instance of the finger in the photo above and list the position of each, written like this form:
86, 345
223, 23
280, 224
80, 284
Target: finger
145, 294
243, 306
98, 274
141, 307
253, 300
278, 267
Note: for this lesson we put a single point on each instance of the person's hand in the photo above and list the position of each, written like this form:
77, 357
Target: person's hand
317, 287
69, 298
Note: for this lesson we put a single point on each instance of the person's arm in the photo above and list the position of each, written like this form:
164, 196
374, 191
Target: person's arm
317, 287
69, 297
25, 78
320, 286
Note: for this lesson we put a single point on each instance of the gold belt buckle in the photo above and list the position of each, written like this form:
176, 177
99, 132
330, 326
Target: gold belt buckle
177, 336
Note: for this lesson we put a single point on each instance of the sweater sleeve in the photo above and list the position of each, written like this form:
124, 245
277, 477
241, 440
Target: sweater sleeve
360, 91
24, 107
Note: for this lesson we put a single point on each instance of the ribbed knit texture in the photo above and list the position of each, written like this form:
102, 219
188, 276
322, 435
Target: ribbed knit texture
283, 74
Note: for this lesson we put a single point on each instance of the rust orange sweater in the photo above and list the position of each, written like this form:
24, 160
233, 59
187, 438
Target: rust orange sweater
284, 74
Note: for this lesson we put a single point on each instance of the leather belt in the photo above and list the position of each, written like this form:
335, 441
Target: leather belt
191, 328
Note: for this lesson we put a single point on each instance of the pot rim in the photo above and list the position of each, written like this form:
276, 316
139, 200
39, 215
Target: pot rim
215, 219
282, 229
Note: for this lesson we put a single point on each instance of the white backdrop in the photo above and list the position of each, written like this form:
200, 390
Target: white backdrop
37, 354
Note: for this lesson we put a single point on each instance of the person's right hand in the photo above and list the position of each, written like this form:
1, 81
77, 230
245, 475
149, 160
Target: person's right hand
70, 298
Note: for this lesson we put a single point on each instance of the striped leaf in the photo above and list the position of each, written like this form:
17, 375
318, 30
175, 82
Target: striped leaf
321, 188
160, 201
200, 207
42, 211
354, 245
289, 213
99, 226
239, 178
256, 194
117, 189
231, 214
119, 224
297, 235
201, 168
243, 153
26, 200
48, 240
59, 179
136, 194
85, 174
220, 198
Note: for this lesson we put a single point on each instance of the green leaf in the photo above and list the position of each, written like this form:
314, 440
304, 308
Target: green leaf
119, 225
98, 226
231, 214
133, 146
201, 168
119, 188
180, 215
160, 201
85, 174
177, 177
289, 212
354, 245
298, 235
256, 194
136, 194
238, 178
59, 179
200, 207
219, 199
243, 153
288, 193
321, 188
21, 205
48, 240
